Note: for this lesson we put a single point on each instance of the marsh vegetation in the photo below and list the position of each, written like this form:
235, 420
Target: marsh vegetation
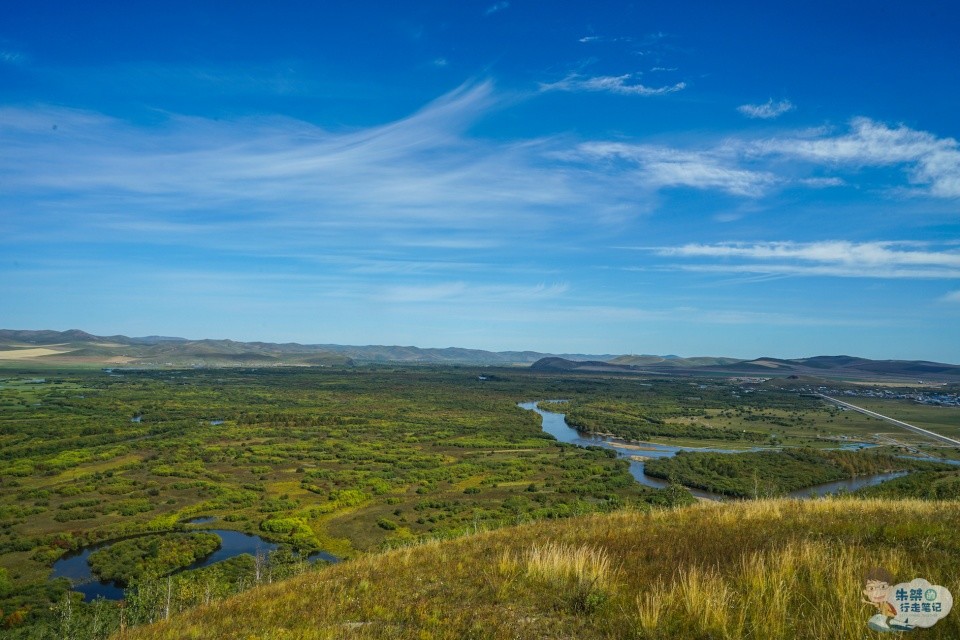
348, 461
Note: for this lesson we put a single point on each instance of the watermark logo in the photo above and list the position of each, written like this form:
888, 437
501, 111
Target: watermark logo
906, 605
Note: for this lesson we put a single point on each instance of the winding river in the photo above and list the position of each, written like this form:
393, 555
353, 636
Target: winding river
556, 425
74, 565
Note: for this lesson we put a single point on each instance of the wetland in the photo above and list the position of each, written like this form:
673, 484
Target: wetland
283, 465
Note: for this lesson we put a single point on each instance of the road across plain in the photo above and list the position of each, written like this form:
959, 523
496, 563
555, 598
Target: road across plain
899, 423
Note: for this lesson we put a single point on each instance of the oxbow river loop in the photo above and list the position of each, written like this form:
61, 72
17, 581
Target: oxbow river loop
75, 567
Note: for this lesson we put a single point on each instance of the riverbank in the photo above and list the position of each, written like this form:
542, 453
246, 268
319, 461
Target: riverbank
819, 466
75, 565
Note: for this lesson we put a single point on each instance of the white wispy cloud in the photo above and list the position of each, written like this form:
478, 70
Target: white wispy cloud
766, 111
952, 297
269, 184
931, 161
423, 293
11, 53
821, 183
260, 184
610, 84
667, 167
471, 292
613, 39
273, 178
752, 168
497, 6
610, 314
826, 258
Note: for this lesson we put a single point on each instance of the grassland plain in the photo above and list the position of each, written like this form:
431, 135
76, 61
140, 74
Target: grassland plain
772, 569
349, 460
942, 420
717, 412
729, 414
342, 460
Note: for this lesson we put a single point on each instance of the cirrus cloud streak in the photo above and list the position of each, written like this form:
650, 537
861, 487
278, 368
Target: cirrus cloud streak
835, 258
610, 84
766, 111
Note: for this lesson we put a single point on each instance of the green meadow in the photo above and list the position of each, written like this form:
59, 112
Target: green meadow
356, 461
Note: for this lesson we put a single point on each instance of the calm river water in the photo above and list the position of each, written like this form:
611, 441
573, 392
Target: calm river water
556, 425
233, 543
74, 565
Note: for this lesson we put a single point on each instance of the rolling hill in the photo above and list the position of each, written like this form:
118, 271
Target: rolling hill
835, 367
760, 569
80, 348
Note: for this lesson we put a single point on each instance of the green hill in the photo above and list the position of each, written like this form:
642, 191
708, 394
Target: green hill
672, 361
765, 569
80, 349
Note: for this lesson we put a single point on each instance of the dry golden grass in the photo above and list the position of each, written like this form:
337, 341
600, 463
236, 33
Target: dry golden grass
761, 570
561, 564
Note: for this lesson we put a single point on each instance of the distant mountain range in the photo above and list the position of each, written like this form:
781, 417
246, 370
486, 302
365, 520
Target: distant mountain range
838, 367
76, 347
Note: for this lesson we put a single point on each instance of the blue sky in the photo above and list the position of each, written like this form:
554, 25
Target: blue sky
695, 178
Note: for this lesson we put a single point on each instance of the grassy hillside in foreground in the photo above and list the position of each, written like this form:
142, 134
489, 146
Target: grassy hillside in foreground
766, 569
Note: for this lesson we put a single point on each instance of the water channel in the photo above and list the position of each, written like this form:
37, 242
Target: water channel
74, 565
556, 425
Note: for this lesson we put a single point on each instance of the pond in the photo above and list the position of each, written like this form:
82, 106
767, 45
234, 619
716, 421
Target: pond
556, 425
74, 565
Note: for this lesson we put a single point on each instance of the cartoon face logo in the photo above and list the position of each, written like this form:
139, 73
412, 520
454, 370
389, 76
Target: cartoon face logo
878, 581
876, 590
904, 606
